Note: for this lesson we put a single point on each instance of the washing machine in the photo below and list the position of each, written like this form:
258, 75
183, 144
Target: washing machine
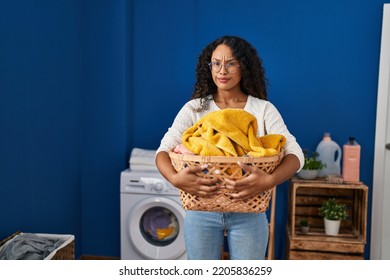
152, 218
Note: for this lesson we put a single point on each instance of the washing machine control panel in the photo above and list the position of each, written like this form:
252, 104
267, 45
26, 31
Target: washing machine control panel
146, 183
157, 185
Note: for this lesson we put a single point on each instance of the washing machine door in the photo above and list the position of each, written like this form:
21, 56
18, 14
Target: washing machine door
155, 228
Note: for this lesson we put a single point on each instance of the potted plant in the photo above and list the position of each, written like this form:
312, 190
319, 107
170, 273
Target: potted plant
311, 167
333, 214
304, 226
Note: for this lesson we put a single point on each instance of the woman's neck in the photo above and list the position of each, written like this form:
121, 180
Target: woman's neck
230, 100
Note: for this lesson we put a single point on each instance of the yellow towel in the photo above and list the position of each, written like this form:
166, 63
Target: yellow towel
230, 132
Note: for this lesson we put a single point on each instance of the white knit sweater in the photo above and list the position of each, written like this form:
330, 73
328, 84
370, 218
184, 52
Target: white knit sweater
268, 118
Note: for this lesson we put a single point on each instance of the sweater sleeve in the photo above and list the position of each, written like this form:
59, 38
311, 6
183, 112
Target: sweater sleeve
274, 124
183, 120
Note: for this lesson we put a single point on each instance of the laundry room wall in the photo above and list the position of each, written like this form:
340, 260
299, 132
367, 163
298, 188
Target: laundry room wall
105, 118
63, 119
40, 112
83, 82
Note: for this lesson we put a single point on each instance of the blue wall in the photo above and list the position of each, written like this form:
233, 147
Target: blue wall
64, 119
83, 82
40, 117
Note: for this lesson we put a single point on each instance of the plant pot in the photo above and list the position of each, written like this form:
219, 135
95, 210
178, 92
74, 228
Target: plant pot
332, 227
305, 230
308, 174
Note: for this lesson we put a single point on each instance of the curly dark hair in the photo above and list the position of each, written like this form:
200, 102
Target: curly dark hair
253, 81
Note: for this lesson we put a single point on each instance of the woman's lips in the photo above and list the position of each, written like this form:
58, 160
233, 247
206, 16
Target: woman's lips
223, 80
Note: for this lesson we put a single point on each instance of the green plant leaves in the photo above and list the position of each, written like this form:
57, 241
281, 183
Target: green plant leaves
332, 210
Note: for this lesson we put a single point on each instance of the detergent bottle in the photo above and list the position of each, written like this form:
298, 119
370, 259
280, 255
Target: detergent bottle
330, 154
351, 161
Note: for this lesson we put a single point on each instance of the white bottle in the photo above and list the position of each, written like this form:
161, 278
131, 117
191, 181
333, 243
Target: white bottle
351, 161
329, 152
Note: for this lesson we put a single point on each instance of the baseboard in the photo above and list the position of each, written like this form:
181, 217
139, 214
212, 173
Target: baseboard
92, 257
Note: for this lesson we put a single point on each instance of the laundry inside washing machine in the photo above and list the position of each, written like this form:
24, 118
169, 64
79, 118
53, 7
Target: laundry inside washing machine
159, 226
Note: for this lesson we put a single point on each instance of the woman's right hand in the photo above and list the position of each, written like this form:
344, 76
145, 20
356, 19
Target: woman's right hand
189, 181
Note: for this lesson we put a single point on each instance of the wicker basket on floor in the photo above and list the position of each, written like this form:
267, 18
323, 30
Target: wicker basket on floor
64, 252
221, 168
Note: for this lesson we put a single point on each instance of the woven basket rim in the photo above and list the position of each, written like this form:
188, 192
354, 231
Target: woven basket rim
205, 159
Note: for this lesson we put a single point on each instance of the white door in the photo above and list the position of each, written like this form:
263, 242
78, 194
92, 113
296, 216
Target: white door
380, 227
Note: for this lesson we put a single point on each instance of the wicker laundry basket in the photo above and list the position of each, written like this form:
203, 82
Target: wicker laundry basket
64, 252
224, 167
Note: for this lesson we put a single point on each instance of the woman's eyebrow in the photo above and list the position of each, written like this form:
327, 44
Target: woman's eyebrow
229, 60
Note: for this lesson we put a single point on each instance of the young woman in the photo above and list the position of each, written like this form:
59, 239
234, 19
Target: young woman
229, 74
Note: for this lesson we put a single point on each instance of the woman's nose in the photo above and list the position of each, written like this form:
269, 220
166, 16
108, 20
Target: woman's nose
223, 69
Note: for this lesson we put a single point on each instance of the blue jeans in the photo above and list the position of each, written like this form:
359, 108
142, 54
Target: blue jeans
247, 235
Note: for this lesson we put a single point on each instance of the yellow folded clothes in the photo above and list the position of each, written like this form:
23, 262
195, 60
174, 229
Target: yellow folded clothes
230, 132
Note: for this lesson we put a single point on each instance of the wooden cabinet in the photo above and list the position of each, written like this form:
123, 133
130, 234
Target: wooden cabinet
305, 198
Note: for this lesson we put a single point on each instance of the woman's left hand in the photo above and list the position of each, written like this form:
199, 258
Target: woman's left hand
255, 183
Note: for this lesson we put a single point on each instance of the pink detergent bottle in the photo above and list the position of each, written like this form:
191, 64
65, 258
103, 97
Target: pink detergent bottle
351, 161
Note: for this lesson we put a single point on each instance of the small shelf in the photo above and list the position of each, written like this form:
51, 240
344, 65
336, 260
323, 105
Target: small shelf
305, 197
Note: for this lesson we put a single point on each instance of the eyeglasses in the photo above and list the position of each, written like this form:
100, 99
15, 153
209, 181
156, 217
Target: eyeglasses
230, 67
